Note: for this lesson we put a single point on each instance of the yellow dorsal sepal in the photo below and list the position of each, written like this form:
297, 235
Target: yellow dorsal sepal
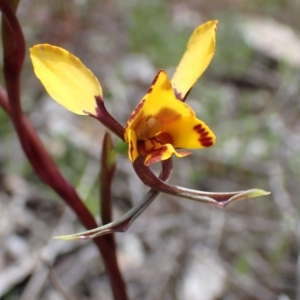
199, 52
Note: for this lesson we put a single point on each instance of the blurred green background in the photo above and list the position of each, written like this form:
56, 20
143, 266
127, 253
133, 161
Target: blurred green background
178, 249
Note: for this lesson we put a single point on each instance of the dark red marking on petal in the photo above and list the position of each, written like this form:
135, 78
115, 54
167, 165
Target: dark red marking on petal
167, 115
201, 131
156, 156
153, 83
164, 138
149, 146
177, 94
136, 111
206, 142
155, 78
204, 139
197, 127
131, 147
204, 134
141, 148
141, 104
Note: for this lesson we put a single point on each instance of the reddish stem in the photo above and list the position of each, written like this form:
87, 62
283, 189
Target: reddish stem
126, 220
149, 179
107, 119
107, 172
42, 163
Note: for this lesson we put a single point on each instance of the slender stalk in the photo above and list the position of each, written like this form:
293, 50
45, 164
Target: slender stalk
126, 220
107, 119
107, 172
217, 199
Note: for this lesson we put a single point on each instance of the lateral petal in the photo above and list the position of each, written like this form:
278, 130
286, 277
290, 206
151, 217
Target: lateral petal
197, 56
66, 78
190, 133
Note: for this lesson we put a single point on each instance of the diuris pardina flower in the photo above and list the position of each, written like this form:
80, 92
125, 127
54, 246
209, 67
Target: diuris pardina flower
159, 126
162, 123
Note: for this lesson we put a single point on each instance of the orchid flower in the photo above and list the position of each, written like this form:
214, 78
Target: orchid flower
161, 125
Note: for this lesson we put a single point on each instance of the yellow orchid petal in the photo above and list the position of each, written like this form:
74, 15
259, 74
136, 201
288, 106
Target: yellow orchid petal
132, 145
199, 52
158, 105
190, 133
160, 123
163, 153
66, 78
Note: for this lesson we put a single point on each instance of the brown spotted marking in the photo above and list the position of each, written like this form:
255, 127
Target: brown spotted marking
136, 111
167, 115
199, 129
164, 138
150, 90
149, 145
153, 83
142, 102
205, 140
131, 147
141, 148
156, 155
177, 94
156, 76
205, 134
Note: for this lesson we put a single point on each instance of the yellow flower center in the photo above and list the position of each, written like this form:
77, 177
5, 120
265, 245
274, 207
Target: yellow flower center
148, 128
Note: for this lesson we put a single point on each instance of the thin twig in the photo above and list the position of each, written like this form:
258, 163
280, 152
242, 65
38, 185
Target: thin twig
53, 278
